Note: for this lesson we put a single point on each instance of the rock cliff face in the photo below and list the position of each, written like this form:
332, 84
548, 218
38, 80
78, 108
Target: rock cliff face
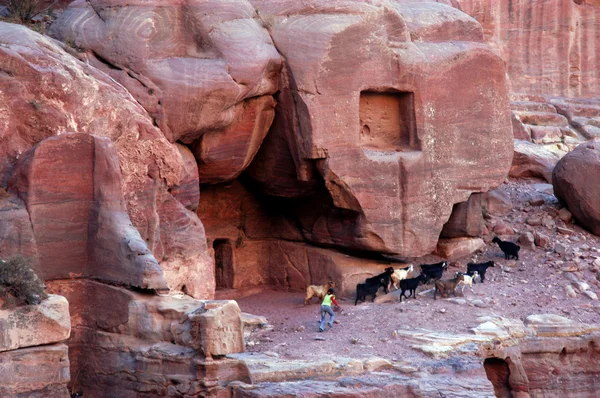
549, 46
83, 194
356, 104
347, 124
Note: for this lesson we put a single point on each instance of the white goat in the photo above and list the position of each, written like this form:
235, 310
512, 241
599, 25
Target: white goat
400, 274
467, 280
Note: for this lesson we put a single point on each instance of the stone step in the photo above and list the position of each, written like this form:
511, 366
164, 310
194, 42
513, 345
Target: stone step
532, 106
542, 118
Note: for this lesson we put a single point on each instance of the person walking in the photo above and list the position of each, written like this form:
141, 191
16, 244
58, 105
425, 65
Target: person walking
326, 309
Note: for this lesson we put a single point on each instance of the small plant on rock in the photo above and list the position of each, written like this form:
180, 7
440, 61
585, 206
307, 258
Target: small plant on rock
23, 10
19, 285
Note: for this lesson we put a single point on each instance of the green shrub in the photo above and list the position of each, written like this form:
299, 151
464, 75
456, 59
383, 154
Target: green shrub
24, 10
18, 283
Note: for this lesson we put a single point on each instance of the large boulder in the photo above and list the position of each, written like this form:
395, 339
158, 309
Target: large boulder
71, 185
575, 180
531, 160
368, 117
124, 342
46, 92
204, 71
33, 325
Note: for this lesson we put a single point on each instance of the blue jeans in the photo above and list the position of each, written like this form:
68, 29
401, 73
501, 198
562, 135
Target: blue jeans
325, 309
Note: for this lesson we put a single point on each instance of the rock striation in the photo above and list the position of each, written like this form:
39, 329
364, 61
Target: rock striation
33, 356
359, 98
548, 46
205, 72
124, 211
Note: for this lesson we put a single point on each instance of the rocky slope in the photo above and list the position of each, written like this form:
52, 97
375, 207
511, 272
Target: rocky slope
224, 147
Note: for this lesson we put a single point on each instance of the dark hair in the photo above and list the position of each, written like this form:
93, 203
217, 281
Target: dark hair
330, 291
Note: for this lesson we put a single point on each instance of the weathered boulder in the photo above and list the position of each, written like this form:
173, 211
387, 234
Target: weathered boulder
466, 219
531, 160
574, 180
359, 99
41, 96
545, 44
205, 72
453, 249
115, 330
33, 325
71, 185
35, 372
496, 202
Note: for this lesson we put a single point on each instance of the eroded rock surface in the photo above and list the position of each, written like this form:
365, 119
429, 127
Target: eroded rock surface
546, 44
46, 93
204, 71
574, 180
378, 115
33, 359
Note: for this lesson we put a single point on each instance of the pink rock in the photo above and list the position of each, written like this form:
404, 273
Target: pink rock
572, 179
466, 219
35, 372
541, 240
503, 229
71, 185
201, 70
497, 202
453, 249
531, 160
345, 114
542, 55
565, 215
58, 85
187, 191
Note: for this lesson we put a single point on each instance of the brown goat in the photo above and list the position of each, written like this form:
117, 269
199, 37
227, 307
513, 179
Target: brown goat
317, 291
445, 286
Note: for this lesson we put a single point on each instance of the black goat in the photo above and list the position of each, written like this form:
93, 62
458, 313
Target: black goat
510, 249
386, 276
433, 271
368, 289
480, 268
411, 285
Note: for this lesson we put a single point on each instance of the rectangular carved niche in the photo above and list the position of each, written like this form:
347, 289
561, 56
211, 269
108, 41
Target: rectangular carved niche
387, 121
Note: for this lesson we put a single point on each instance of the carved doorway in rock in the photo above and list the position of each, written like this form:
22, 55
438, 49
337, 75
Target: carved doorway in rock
498, 372
223, 263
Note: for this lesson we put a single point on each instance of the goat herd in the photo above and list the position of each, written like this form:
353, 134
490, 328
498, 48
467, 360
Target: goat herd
399, 278
428, 273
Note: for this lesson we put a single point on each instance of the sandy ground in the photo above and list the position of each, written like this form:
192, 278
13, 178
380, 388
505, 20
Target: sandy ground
534, 284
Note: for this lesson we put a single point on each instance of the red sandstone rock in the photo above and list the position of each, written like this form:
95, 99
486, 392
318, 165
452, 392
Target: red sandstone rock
34, 325
573, 180
353, 108
71, 185
223, 155
546, 44
496, 202
466, 219
35, 372
531, 160
187, 191
116, 330
16, 234
42, 95
194, 68
454, 249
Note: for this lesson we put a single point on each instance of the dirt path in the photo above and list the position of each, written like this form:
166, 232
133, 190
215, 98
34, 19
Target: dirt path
535, 284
